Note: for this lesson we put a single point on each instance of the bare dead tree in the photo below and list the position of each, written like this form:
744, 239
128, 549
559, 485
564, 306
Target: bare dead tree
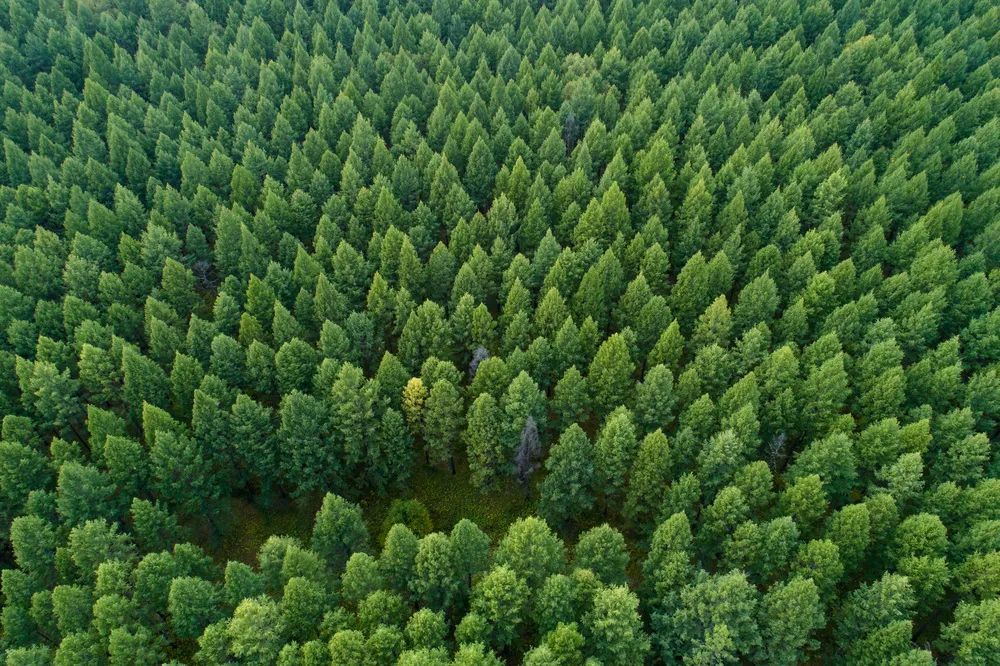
777, 450
527, 452
478, 356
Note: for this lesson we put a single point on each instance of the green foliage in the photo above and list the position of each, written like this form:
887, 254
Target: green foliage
569, 488
411, 513
339, 531
718, 279
531, 550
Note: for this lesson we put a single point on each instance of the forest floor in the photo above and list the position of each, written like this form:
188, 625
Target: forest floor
448, 498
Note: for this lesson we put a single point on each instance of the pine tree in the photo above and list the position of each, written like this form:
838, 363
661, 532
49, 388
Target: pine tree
306, 462
181, 471
568, 489
654, 399
144, 381
255, 441
616, 626
488, 461
443, 422
610, 375
614, 454
570, 399
648, 480
435, 580
501, 598
479, 173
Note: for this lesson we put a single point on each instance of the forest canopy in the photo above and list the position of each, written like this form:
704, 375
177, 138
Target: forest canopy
698, 301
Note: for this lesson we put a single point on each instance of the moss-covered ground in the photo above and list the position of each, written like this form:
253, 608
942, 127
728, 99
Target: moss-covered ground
245, 525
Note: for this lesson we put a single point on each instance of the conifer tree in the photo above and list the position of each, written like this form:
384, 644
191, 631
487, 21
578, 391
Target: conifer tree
442, 423
610, 374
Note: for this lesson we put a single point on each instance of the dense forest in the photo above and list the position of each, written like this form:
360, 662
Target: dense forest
699, 299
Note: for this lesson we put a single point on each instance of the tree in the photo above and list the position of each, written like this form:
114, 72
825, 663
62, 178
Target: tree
256, 630
805, 501
654, 399
487, 456
471, 548
668, 349
78, 648
54, 397
94, 542
727, 510
181, 471
720, 600
610, 375
72, 608
33, 541
758, 301
568, 489
353, 404
501, 598
193, 604
872, 606
719, 460
153, 526
479, 173
294, 365
398, 556
240, 582
832, 458
527, 451
84, 493
255, 441
435, 580
570, 399
648, 479
260, 368
339, 531
825, 391
144, 381
426, 629
614, 454
531, 550
303, 603
22, 469
602, 550
668, 563
424, 334
615, 627
228, 359
361, 577
522, 400
305, 460
381, 608
178, 287
347, 646
972, 636
790, 613
414, 399
391, 464
475, 654
139, 646
443, 420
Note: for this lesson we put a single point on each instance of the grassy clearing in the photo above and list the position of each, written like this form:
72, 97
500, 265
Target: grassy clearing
247, 526
448, 498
